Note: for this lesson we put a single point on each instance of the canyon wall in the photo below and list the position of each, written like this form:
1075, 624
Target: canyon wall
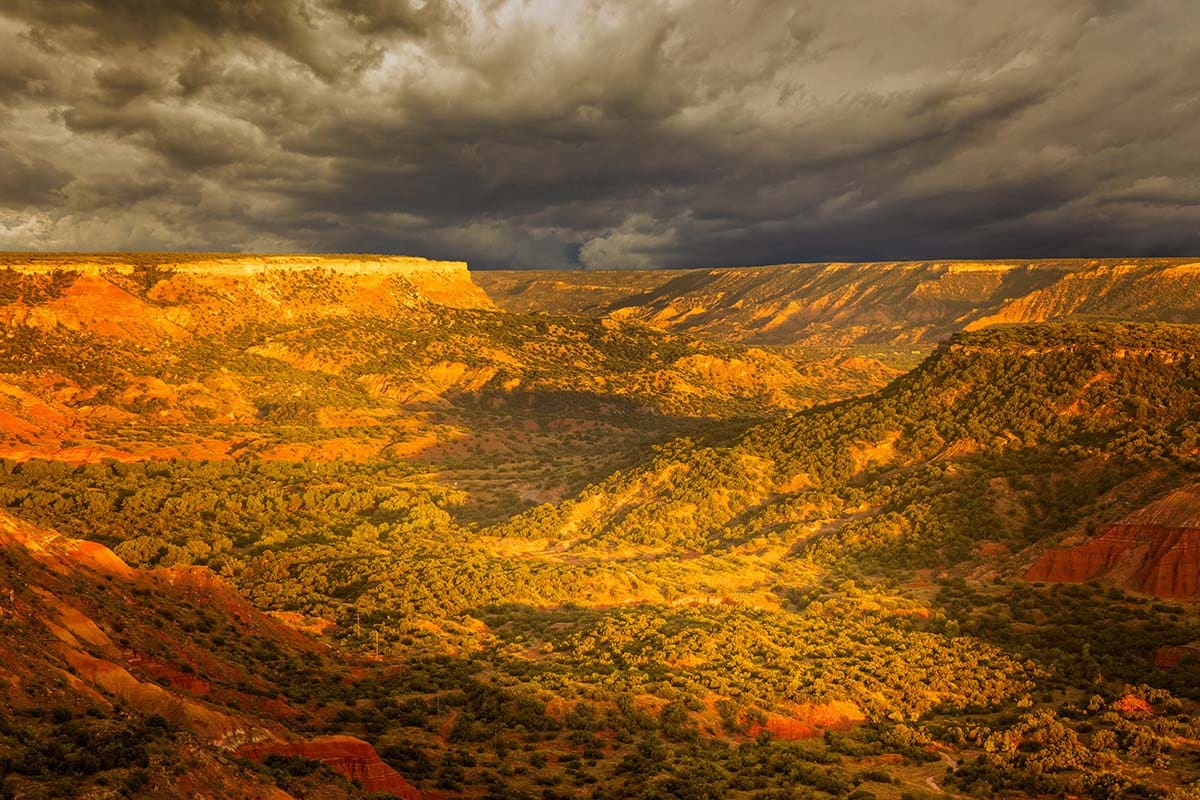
840, 304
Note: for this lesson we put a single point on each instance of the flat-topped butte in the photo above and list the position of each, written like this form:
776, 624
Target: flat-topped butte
225, 263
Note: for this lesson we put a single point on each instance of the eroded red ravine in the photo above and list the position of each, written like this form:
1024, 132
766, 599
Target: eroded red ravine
346, 755
1154, 551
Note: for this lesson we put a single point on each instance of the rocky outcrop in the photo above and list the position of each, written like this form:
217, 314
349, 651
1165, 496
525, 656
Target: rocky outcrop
1154, 551
60, 553
807, 720
93, 657
346, 755
148, 698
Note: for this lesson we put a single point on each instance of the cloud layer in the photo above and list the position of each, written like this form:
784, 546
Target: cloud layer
626, 133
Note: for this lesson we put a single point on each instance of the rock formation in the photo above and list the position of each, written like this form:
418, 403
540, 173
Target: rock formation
345, 755
1153, 551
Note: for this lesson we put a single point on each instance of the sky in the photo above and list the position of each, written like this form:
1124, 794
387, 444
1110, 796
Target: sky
616, 134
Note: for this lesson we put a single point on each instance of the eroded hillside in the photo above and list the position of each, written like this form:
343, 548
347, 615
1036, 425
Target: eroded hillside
159, 683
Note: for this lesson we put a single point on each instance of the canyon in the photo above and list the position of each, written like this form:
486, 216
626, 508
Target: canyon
327, 526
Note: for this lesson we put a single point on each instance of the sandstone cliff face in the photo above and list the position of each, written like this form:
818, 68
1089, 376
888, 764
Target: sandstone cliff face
1154, 551
229, 264
346, 755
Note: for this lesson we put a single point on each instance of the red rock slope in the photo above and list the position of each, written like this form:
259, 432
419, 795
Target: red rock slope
1154, 551
75, 616
346, 755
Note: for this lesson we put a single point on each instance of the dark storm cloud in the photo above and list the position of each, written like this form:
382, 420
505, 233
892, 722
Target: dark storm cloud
616, 134
29, 183
380, 16
286, 26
